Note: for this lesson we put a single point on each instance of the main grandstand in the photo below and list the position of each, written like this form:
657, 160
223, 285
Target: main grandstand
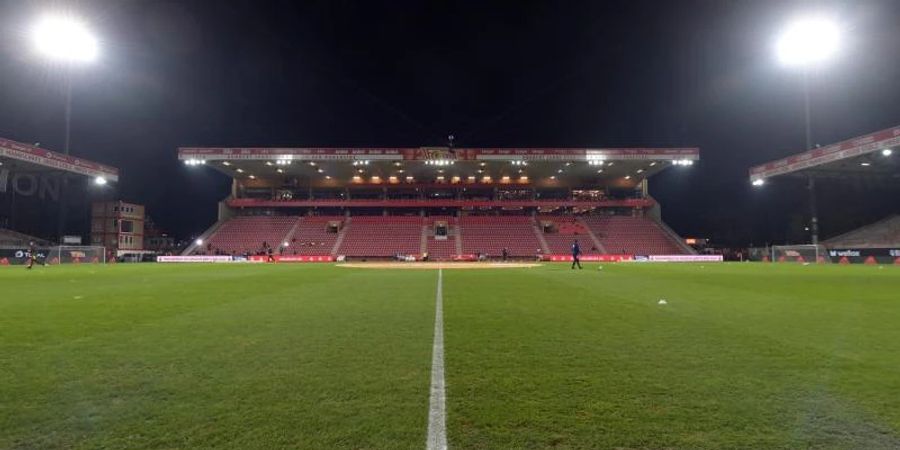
438, 203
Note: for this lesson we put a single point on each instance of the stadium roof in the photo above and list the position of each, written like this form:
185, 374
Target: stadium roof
872, 155
39, 159
625, 166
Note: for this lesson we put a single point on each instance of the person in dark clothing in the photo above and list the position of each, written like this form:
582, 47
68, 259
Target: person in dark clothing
505, 254
31, 255
576, 252
271, 254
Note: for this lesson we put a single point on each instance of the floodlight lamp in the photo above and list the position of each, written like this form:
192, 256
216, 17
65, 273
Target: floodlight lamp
758, 182
808, 41
100, 181
64, 38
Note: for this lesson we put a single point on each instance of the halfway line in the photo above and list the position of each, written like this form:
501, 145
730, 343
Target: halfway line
437, 426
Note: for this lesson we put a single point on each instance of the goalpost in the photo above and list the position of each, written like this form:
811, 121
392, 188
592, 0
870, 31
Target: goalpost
76, 254
800, 253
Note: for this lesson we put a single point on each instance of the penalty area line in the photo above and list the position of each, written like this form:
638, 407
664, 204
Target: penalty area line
437, 414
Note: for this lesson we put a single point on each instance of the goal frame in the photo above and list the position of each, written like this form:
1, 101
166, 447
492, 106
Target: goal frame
819, 252
55, 255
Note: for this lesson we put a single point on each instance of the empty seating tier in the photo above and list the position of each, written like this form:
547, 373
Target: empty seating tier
312, 236
632, 235
246, 234
382, 236
491, 234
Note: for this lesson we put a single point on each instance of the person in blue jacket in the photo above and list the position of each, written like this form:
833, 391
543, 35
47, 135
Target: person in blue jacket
576, 252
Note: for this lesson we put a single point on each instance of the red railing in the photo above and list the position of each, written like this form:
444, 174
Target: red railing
436, 203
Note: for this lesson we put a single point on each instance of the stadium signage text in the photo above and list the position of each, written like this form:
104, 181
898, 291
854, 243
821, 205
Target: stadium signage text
425, 153
53, 160
835, 152
29, 185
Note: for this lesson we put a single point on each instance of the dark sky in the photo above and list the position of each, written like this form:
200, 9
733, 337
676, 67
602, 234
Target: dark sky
407, 73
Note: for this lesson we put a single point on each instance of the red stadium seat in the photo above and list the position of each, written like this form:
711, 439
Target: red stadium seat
632, 235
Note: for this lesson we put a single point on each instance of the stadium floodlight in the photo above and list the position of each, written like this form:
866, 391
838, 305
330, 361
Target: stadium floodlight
199, 241
805, 43
887, 152
64, 38
808, 41
100, 181
758, 182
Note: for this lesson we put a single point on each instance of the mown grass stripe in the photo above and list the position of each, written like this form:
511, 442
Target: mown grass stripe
437, 428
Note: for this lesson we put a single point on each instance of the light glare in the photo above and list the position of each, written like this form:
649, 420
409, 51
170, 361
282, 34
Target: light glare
808, 41
64, 38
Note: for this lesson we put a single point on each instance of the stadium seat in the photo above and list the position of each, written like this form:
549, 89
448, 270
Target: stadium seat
632, 235
246, 234
490, 234
311, 236
382, 236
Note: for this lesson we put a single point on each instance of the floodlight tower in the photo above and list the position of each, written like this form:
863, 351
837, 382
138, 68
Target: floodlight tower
67, 40
64, 39
804, 44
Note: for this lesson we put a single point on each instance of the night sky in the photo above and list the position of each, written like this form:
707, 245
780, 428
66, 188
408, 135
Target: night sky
404, 73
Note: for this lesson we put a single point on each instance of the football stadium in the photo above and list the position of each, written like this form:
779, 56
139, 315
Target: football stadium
444, 296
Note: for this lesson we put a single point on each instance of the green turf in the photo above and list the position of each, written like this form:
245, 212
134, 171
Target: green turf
312, 356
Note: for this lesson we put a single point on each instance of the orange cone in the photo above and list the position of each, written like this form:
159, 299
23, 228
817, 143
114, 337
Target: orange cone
870, 260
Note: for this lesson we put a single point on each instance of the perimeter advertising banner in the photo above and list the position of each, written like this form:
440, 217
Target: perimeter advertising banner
865, 255
590, 258
14, 256
198, 259
294, 258
686, 258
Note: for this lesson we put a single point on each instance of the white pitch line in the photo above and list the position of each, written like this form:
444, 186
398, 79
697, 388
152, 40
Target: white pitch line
437, 412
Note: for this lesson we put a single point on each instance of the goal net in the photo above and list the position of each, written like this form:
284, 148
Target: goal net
76, 254
800, 253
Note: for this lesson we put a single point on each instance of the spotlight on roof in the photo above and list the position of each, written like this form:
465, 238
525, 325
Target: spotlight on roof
440, 162
886, 152
194, 162
100, 181
758, 182
199, 241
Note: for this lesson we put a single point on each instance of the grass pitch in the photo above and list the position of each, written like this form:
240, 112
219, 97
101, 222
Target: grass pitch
313, 356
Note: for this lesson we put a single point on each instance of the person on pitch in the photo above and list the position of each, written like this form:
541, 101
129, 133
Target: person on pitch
31, 255
576, 252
